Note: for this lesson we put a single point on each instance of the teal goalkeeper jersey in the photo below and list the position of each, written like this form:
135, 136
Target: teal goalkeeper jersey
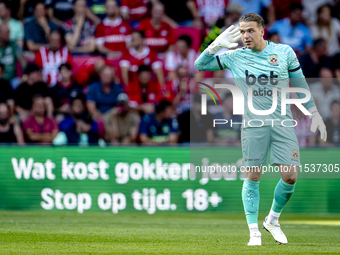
261, 71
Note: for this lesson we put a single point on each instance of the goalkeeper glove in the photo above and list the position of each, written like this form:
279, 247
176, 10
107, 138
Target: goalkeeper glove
227, 39
317, 123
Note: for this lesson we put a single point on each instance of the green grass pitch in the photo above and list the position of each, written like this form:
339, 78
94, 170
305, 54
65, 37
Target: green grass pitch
187, 233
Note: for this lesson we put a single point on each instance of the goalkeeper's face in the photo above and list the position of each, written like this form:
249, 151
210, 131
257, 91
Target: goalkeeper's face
251, 34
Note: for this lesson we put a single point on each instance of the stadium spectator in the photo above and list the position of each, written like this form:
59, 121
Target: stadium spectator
14, 6
39, 128
282, 8
51, 56
336, 9
179, 90
159, 127
327, 28
134, 11
311, 62
211, 11
310, 9
9, 54
59, 11
233, 14
122, 125
336, 66
6, 92
79, 30
325, 92
293, 31
102, 95
64, 90
138, 55
195, 127
256, 6
228, 133
9, 132
79, 127
113, 32
38, 29
25, 12
181, 13
144, 92
333, 123
183, 55
33, 85
159, 35
15, 27
96, 7
274, 37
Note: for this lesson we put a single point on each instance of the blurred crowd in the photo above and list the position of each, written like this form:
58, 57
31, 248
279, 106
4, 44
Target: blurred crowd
122, 71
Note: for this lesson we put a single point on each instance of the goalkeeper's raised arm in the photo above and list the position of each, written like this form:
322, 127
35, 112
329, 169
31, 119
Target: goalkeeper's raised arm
206, 61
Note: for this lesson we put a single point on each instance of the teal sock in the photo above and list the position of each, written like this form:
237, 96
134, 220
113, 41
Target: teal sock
251, 200
282, 194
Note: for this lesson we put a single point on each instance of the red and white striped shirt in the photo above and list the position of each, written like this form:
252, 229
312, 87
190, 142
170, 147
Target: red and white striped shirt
133, 60
50, 61
157, 39
173, 59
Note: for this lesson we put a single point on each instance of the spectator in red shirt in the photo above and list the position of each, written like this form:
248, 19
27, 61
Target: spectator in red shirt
134, 11
144, 92
138, 55
159, 35
178, 90
113, 32
79, 30
50, 57
39, 128
182, 56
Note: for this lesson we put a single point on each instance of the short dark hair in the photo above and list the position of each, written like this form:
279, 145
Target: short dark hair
248, 17
141, 33
39, 2
162, 105
317, 42
36, 97
144, 68
31, 67
296, 6
187, 39
270, 34
66, 65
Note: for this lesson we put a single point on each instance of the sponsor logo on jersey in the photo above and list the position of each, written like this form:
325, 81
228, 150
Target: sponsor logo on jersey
295, 154
273, 59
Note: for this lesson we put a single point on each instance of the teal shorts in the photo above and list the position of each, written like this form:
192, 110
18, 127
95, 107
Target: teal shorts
281, 142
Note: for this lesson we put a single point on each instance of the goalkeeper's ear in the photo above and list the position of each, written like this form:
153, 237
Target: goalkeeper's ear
262, 31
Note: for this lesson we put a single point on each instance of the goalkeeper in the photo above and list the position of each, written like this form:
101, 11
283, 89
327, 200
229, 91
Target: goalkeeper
263, 65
